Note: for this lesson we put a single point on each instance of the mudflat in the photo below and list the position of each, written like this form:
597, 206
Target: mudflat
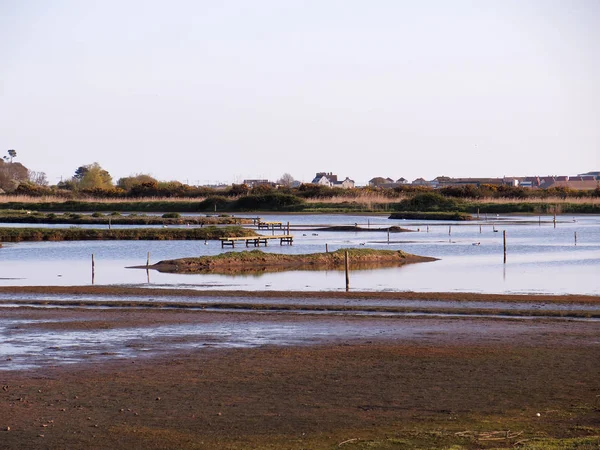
380, 382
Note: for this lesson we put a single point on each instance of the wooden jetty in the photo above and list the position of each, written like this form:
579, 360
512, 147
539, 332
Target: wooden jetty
270, 225
257, 240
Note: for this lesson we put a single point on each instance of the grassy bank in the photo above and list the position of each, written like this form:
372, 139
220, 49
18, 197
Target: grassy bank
258, 261
132, 234
430, 202
115, 218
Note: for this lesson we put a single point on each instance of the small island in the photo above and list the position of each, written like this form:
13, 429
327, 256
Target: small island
257, 261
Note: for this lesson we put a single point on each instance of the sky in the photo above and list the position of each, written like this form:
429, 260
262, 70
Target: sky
209, 92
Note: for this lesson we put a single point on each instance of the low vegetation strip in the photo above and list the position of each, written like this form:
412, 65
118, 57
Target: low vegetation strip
132, 234
115, 218
421, 202
392, 229
259, 261
415, 215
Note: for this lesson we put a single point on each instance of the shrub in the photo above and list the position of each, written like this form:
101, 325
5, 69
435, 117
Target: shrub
97, 214
429, 201
171, 215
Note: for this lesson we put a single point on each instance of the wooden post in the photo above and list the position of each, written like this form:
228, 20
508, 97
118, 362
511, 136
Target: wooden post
504, 233
368, 223
347, 269
477, 213
288, 228
93, 268
555, 219
449, 230
479, 229
575, 237
428, 228
388, 236
109, 223
148, 260
540, 221
326, 248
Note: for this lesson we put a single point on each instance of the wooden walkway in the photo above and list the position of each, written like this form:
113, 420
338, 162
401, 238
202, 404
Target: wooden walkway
257, 240
270, 225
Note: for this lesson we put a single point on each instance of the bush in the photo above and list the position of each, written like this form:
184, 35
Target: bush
429, 201
97, 214
171, 215
272, 202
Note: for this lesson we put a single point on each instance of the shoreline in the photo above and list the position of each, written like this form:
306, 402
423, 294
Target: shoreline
400, 295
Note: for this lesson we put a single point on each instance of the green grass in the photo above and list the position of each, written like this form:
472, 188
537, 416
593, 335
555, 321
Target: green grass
85, 234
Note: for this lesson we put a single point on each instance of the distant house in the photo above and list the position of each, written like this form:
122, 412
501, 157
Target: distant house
331, 180
322, 180
254, 183
596, 175
345, 184
588, 185
545, 182
401, 180
378, 181
421, 182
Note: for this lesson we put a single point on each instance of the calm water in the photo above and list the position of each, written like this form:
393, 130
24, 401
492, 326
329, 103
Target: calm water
541, 258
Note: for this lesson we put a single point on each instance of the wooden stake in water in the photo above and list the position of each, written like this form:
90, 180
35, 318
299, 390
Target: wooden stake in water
479, 229
388, 236
449, 230
93, 268
109, 223
575, 237
428, 228
347, 265
148, 260
326, 248
540, 221
504, 233
477, 213
554, 219
288, 228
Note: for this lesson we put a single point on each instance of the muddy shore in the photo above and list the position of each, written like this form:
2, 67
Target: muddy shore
333, 382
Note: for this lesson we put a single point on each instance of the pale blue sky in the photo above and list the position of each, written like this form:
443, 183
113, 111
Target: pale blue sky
209, 91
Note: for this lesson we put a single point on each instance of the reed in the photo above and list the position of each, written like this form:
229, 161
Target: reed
121, 234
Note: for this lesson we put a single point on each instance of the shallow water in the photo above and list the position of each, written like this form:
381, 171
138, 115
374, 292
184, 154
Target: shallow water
24, 345
540, 258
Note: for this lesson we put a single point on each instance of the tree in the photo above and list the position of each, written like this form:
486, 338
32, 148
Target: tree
286, 180
127, 183
38, 178
92, 176
80, 172
12, 154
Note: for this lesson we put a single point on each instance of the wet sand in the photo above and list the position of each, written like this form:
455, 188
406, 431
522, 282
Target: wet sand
321, 381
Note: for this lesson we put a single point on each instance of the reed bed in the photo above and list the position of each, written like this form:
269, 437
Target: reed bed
126, 234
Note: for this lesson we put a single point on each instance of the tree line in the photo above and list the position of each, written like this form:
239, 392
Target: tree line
92, 180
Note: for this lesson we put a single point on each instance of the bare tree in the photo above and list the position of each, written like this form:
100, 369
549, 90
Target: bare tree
38, 178
286, 180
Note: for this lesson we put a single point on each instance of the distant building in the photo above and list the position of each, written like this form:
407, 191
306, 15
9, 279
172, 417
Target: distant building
421, 182
254, 183
588, 185
345, 184
378, 181
331, 180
